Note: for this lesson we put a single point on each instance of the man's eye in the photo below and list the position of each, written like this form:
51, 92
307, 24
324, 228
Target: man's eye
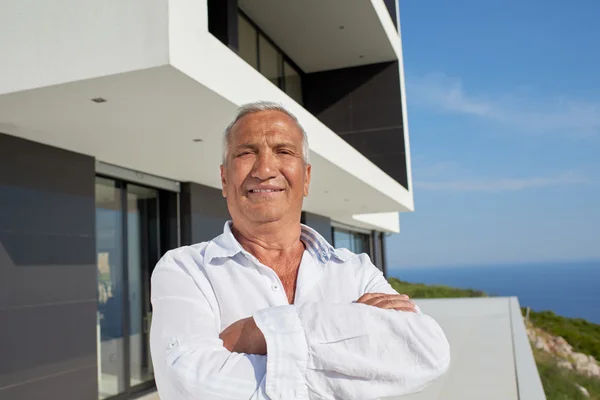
243, 153
284, 151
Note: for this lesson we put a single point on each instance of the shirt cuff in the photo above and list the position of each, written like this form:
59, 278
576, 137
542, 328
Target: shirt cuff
287, 352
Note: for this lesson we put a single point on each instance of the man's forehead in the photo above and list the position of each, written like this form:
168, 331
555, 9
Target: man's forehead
266, 124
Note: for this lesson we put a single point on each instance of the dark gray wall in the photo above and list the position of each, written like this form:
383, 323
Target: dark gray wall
391, 7
203, 213
364, 106
379, 251
48, 289
319, 223
223, 21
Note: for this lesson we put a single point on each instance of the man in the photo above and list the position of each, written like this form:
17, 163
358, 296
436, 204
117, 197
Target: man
268, 309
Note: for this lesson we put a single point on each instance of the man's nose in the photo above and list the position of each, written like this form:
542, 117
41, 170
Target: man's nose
265, 166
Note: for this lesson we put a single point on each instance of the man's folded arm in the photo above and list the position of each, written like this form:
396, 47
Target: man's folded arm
190, 360
350, 351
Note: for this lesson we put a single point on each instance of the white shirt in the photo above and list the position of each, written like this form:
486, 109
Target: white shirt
323, 346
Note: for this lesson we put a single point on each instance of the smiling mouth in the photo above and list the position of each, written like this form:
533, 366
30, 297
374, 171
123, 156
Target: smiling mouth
265, 190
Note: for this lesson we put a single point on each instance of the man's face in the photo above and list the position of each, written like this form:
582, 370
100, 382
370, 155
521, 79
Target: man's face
265, 178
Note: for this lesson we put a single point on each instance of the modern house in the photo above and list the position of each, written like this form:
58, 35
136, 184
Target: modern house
111, 118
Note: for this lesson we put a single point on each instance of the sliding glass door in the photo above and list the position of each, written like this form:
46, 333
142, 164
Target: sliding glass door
128, 247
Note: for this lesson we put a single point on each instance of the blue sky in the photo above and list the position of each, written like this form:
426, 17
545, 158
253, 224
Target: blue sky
504, 120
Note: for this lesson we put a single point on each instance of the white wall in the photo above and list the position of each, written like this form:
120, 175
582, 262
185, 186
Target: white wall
48, 42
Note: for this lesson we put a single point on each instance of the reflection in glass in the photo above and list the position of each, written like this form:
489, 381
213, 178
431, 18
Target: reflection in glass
142, 251
293, 82
111, 374
341, 239
354, 241
247, 48
269, 60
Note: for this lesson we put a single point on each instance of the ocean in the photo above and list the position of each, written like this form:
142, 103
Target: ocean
568, 289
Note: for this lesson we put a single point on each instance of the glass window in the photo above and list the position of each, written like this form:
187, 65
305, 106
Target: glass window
354, 241
128, 246
342, 239
142, 250
269, 60
247, 47
293, 82
109, 239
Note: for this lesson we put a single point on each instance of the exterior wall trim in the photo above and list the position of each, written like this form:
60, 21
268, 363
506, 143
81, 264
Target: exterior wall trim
115, 171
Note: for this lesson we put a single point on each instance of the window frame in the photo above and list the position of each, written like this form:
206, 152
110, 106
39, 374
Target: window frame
283, 57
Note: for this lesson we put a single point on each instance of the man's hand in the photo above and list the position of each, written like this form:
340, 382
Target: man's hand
244, 336
400, 302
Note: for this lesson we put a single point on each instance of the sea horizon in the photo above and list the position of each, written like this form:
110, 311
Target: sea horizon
569, 289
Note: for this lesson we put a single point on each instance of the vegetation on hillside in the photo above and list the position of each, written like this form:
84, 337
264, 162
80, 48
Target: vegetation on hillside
421, 291
559, 383
583, 335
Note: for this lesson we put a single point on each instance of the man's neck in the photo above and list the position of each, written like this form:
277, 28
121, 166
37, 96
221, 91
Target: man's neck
271, 242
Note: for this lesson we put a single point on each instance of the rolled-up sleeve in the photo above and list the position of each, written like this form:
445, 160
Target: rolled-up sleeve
190, 362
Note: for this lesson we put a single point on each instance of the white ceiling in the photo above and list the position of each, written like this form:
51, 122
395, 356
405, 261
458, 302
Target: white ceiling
323, 34
149, 124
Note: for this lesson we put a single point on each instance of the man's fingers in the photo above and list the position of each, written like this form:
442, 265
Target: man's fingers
368, 298
388, 302
394, 303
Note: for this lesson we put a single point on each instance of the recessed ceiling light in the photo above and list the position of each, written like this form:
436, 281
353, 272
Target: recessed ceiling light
198, 140
99, 100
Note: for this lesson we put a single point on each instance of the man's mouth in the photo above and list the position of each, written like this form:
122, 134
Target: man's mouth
265, 190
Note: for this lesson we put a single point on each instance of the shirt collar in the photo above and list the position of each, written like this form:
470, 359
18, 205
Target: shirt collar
226, 245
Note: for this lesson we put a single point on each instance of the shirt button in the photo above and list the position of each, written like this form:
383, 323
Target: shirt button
275, 286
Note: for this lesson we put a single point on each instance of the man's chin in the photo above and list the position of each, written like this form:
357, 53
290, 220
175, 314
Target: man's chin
265, 215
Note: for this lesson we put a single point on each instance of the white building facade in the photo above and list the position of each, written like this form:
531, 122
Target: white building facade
111, 118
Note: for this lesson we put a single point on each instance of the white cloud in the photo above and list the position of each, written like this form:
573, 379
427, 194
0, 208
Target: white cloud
500, 185
521, 113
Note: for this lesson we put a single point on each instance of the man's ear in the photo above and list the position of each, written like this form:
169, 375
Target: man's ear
223, 182
307, 179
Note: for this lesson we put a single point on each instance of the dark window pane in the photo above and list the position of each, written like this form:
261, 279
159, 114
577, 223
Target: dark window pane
293, 82
247, 42
270, 60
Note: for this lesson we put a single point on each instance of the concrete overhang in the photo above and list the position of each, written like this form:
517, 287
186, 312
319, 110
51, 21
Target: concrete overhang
322, 35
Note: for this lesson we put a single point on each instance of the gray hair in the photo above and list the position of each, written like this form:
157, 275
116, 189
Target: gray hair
258, 106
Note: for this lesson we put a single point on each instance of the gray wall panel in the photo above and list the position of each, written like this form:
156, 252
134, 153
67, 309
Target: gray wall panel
78, 384
203, 213
364, 106
34, 337
48, 286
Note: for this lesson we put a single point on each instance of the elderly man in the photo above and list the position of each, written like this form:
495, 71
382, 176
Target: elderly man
268, 309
